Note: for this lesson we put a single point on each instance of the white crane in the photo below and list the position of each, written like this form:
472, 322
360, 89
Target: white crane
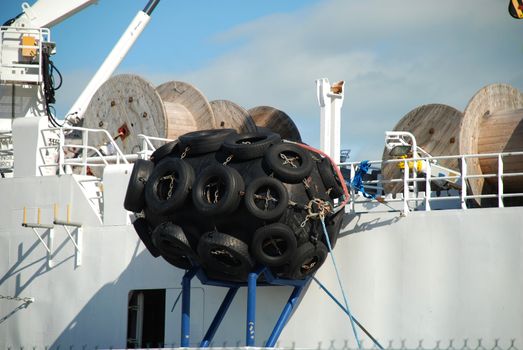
26, 39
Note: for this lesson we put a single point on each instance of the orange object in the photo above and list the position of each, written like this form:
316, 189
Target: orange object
28, 51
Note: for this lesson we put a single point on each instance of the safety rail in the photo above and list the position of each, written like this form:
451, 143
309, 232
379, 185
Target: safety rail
412, 199
19, 62
83, 156
147, 144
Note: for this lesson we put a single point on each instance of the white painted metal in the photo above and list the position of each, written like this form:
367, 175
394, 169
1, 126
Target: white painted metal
112, 61
330, 103
47, 13
27, 142
13, 66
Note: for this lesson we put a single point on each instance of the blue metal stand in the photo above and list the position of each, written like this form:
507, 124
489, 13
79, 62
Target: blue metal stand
218, 318
252, 284
186, 308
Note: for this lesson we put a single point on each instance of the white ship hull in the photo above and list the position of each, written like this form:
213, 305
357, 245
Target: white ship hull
429, 277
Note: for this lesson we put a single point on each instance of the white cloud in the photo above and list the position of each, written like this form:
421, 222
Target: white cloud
393, 55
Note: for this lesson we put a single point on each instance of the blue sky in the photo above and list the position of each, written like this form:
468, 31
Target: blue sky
394, 55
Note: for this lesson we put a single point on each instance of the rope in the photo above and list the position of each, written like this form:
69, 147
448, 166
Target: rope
345, 310
357, 181
345, 299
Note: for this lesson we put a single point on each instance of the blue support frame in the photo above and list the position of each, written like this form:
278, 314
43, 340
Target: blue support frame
186, 308
252, 284
218, 318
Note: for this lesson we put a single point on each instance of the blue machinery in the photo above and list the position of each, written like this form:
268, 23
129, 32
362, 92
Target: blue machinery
252, 283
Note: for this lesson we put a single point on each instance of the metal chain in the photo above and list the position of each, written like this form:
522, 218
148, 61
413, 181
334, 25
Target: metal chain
267, 197
323, 209
184, 154
216, 193
171, 184
289, 160
26, 300
229, 158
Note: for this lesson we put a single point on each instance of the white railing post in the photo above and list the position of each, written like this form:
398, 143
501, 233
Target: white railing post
406, 187
144, 148
500, 181
463, 183
61, 154
428, 191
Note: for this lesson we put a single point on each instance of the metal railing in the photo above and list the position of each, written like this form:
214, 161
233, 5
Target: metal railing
83, 155
413, 199
147, 144
12, 66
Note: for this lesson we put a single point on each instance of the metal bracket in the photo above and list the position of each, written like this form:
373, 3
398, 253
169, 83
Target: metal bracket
78, 242
50, 239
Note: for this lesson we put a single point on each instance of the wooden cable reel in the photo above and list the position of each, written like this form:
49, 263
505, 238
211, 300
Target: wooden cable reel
229, 115
277, 121
127, 105
493, 123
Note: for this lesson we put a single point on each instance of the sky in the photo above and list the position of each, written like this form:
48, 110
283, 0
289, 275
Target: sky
393, 55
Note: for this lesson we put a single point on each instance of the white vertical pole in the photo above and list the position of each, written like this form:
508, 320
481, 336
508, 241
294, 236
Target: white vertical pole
500, 181
463, 183
322, 89
330, 100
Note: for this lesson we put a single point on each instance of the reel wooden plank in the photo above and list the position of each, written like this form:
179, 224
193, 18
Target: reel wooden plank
275, 120
187, 109
230, 115
125, 101
486, 103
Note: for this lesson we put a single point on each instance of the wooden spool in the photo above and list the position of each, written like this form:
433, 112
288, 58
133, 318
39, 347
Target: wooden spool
492, 124
436, 128
130, 102
229, 115
125, 101
276, 120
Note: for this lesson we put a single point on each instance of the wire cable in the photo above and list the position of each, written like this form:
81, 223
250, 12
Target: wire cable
345, 299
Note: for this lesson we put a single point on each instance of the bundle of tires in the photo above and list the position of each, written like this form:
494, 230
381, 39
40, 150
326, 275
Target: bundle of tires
230, 203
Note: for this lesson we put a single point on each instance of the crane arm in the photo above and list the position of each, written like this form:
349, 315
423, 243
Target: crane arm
47, 13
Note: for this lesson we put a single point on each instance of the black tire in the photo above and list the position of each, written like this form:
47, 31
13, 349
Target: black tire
225, 253
163, 151
135, 197
329, 178
268, 192
308, 260
249, 146
157, 188
144, 232
180, 262
173, 245
273, 245
289, 162
217, 190
204, 141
